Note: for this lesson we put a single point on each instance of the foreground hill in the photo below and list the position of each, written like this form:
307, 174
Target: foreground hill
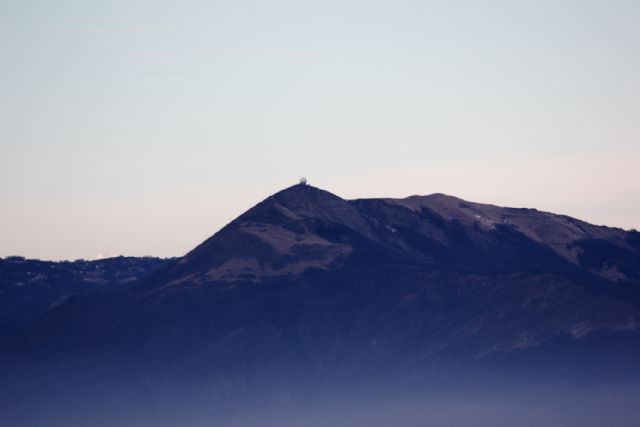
308, 290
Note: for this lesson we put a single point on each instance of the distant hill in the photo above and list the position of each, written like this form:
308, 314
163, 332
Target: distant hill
29, 287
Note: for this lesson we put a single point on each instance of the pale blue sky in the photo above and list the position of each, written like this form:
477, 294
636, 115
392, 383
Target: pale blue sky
142, 127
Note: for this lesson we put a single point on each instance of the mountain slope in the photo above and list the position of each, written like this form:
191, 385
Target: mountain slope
29, 288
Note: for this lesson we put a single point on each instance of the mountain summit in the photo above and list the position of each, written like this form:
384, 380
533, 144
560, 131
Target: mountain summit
281, 236
304, 228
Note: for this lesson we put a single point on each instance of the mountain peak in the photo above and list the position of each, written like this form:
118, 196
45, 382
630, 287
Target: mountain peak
307, 200
277, 237
302, 227
303, 190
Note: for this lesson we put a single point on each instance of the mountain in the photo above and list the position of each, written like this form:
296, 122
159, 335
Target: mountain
307, 290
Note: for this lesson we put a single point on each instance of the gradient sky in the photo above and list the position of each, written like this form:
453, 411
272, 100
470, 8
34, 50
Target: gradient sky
141, 127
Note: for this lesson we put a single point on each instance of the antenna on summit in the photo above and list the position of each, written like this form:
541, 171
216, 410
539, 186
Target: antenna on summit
303, 181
